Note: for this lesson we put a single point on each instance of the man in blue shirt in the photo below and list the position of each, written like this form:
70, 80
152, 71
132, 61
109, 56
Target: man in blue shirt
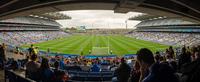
95, 67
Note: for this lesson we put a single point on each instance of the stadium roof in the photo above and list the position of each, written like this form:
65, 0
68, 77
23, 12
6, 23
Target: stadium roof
143, 17
161, 21
188, 9
52, 15
31, 20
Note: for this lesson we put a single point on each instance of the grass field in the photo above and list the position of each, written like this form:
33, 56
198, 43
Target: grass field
84, 44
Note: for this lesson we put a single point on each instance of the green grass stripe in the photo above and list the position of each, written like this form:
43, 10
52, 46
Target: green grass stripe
119, 44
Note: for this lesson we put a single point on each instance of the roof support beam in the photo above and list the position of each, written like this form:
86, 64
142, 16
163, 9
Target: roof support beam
173, 7
126, 5
191, 5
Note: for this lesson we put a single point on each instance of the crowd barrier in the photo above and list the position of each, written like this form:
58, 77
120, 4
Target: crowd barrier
91, 76
11, 76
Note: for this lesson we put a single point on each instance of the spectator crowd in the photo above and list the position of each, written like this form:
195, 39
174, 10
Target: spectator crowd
170, 66
146, 67
27, 37
180, 39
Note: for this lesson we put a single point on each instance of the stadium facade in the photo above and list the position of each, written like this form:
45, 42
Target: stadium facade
28, 23
33, 22
151, 23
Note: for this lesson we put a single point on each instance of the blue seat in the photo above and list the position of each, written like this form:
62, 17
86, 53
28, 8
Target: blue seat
94, 76
80, 76
90, 76
83, 74
94, 73
72, 73
107, 77
107, 73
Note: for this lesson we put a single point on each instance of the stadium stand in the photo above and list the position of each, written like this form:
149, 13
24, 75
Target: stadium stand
27, 37
31, 29
166, 30
178, 39
169, 66
19, 31
145, 69
70, 69
32, 20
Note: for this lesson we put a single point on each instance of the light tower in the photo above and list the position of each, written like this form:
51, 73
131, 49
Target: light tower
126, 24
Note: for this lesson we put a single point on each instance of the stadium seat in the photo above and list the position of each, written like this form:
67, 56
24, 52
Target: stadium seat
107, 73
80, 76
72, 73
94, 76
107, 77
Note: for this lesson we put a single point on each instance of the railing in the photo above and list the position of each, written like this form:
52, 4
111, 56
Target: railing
11, 76
90, 76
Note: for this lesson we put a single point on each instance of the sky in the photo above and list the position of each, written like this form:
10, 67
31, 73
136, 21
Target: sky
98, 19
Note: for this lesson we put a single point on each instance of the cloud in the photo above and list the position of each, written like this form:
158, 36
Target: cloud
98, 19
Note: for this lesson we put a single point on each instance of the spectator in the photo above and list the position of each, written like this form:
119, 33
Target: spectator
61, 62
191, 71
31, 49
169, 56
95, 67
161, 72
36, 50
85, 67
135, 74
45, 73
17, 50
184, 58
115, 66
60, 76
2, 56
193, 51
157, 57
171, 52
123, 71
146, 60
13, 66
32, 67
75, 67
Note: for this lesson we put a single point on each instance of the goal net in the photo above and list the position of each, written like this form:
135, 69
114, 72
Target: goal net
100, 51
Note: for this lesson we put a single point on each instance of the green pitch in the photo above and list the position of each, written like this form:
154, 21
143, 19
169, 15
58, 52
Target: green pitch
85, 44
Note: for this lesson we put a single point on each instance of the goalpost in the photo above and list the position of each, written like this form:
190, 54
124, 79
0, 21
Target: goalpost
102, 50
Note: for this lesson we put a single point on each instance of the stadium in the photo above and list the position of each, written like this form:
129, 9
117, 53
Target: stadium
162, 47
